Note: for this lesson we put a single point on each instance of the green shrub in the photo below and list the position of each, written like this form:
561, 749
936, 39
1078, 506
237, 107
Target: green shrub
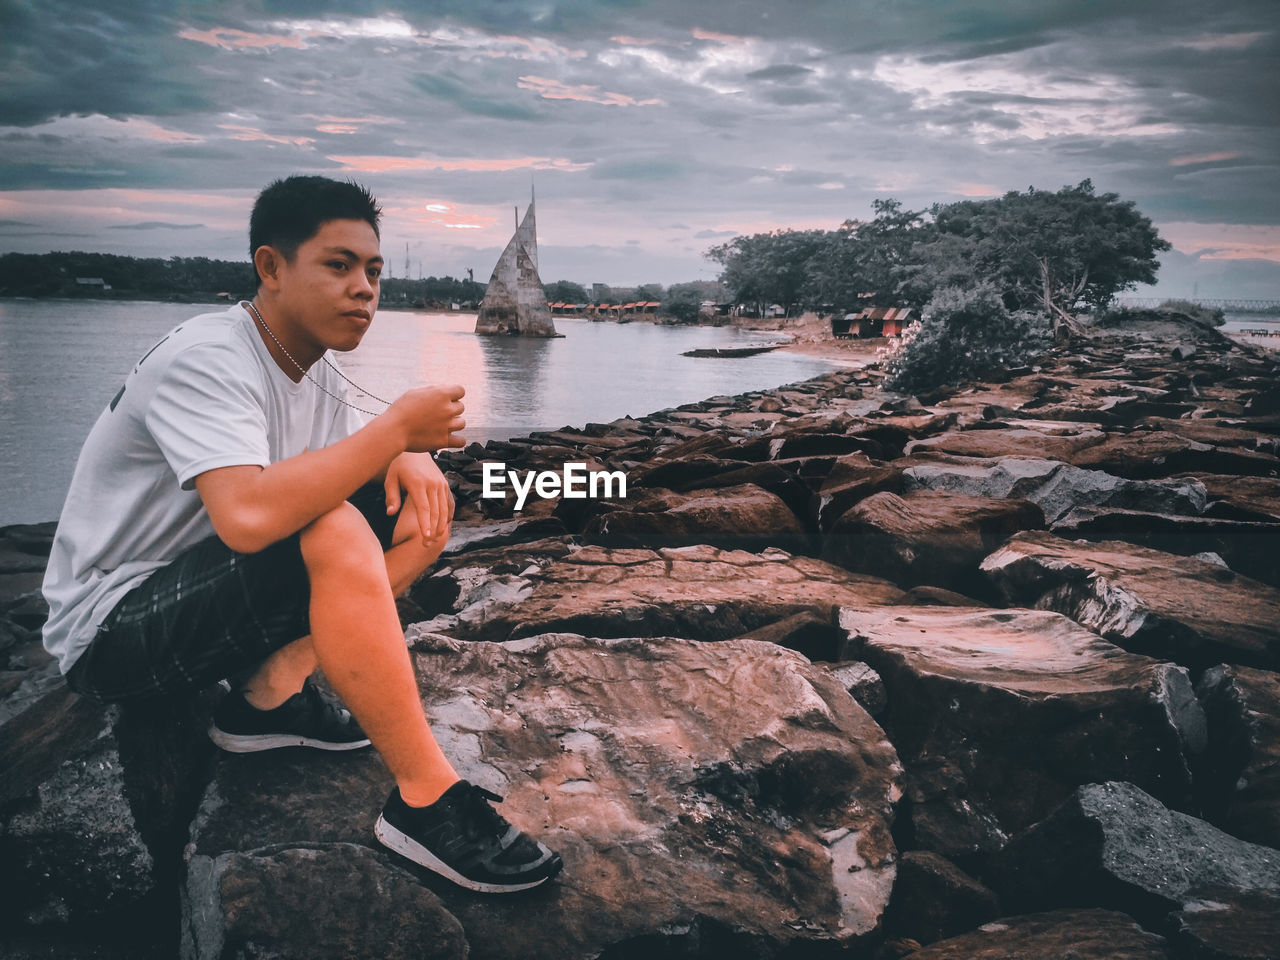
965, 333
1206, 314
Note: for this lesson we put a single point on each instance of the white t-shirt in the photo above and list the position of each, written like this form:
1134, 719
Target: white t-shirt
207, 395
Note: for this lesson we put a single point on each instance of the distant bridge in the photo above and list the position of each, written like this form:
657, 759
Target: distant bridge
1233, 306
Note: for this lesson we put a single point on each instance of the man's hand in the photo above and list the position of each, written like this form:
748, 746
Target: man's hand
431, 417
417, 475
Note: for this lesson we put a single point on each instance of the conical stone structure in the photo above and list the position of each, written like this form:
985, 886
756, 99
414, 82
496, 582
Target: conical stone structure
514, 303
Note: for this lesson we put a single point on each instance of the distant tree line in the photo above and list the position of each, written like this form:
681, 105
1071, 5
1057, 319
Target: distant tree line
184, 278
1053, 252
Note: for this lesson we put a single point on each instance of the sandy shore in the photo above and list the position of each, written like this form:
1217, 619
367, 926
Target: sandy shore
811, 336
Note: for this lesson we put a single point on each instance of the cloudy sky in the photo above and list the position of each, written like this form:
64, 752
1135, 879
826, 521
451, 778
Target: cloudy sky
651, 130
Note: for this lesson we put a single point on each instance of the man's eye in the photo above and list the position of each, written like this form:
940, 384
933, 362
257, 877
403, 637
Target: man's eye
375, 272
338, 264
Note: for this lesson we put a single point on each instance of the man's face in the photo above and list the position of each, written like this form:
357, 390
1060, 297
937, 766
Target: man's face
329, 292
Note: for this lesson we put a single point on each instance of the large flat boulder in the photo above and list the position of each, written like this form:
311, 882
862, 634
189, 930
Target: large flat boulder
927, 537
744, 516
700, 793
1145, 454
700, 592
1113, 845
1180, 608
1057, 488
1010, 442
999, 715
1242, 706
1056, 935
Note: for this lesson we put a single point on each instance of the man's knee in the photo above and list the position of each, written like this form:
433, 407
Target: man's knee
341, 537
408, 529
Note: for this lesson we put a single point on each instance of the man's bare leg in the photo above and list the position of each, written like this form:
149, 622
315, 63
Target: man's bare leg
282, 674
357, 640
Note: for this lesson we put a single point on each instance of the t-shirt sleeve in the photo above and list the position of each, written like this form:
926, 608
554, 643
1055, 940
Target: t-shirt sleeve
204, 414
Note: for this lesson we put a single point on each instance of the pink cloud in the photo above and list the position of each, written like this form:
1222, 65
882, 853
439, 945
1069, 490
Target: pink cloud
1224, 241
250, 133
555, 90
726, 38
370, 164
634, 41
229, 38
1201, 158
976, 190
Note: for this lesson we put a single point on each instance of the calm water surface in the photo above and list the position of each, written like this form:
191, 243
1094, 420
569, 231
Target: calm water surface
62, 361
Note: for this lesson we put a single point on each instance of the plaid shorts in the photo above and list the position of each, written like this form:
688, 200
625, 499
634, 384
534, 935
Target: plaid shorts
210, 614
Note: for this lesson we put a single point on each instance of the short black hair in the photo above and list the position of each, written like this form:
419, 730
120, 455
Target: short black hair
290, 211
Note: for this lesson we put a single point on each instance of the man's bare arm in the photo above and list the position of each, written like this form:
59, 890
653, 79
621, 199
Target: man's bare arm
252, 507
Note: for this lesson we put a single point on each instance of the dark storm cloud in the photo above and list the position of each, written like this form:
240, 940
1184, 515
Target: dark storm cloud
724, 114
62, 59
780, 71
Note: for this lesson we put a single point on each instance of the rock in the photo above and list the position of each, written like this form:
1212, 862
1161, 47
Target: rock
927, 537
1242, 707
1240, 926
1112, 845
927, 596
326, 902
72, 850
864, 684
992, 444
468, 536
999, 715
852, 478
1152, 602
1249, 548
699, 592
740, 517
933, 898
1057, 488
1146, 454
1058, 935
1257, 497
682, 817
813, 635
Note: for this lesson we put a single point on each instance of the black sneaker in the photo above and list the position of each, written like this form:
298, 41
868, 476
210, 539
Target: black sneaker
307, 719
464, 839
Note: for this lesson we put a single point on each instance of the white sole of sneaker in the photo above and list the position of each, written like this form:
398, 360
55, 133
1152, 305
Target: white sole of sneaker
255, 743
400, 842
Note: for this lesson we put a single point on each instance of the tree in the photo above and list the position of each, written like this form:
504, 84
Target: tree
1055, 251
649, 292
565, 291
866, 257
768, 268
683, 301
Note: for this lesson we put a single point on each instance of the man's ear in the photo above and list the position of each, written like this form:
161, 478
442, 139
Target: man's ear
268, 260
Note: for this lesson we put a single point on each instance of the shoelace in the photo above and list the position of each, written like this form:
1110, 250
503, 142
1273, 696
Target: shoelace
327, 705
478, 818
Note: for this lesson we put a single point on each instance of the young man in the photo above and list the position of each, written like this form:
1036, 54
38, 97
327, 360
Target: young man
232, 516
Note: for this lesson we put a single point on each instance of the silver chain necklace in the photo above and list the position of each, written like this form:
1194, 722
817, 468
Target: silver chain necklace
332, 366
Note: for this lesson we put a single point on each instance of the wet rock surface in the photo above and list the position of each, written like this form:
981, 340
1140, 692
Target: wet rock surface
673, 807
1181, 608
999, 714
633, 676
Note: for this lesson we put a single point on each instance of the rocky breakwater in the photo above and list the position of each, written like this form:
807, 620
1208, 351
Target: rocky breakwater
988, 672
